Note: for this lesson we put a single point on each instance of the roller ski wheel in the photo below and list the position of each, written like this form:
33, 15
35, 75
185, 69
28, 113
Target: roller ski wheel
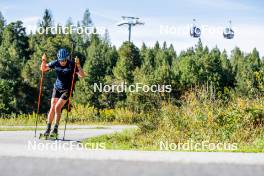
43, 136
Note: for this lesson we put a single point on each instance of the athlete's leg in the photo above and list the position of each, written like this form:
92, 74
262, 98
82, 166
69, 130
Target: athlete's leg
58, 108
52, 110
60, 103
51, 114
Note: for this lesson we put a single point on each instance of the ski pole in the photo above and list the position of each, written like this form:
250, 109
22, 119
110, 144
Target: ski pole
40, 93
72, 85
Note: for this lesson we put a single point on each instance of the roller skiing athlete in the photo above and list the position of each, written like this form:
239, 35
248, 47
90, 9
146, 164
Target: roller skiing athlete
63, 87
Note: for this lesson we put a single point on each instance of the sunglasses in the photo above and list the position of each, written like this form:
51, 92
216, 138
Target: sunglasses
64, 60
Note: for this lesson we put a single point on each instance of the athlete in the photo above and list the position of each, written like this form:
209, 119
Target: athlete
64, 68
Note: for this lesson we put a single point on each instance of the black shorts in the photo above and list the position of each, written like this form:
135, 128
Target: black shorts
63, 94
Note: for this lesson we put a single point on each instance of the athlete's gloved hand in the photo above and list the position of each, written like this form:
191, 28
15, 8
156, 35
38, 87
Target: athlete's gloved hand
44, 58
43, 63
77, 61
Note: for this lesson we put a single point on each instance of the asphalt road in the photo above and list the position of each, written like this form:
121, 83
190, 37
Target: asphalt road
22, 154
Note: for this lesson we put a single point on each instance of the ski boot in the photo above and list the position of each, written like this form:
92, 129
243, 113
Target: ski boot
45, 135
54, 134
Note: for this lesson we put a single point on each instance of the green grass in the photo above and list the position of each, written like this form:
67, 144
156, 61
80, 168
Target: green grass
132, 140
29, 120
120, 141
30, 128
20, 129
81, 115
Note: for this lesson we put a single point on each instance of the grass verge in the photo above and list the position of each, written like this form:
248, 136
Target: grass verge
31, 128
133, 139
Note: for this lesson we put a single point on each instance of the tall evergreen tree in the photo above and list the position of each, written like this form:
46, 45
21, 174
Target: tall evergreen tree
129, 59
2, 25
46, 22
87, 20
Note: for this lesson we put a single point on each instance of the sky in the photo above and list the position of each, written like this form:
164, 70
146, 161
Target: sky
165, 20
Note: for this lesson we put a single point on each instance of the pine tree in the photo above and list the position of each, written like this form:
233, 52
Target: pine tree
87, 20
2, 25
95, 68
13, 56
46, 23
129, 59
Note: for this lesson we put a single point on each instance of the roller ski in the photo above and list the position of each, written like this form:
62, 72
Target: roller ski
45, 135
50, 136
54, 135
